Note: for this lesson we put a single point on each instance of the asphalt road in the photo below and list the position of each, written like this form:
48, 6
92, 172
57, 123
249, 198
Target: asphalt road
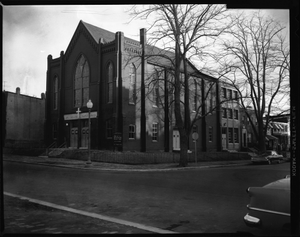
209, 200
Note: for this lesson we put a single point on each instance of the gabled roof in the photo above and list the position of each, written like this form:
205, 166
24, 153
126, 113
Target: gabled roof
98, 33
108, 36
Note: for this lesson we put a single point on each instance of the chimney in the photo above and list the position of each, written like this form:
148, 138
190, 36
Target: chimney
18, 90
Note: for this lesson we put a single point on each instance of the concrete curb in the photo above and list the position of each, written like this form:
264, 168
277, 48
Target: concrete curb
132, 170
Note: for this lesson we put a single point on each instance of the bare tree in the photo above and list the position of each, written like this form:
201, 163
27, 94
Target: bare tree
256, 54
183, 30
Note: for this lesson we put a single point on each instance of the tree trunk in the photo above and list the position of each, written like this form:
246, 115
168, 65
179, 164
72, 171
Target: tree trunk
183, 161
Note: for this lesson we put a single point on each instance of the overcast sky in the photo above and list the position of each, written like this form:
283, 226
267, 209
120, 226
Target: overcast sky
31, 33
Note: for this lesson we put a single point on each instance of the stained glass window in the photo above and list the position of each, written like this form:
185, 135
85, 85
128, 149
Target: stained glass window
132, 84
81, 82
110, 82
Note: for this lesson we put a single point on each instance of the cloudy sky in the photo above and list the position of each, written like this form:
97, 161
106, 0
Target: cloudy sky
31, 33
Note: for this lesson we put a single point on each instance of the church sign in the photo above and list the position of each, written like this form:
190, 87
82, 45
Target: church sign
82, 116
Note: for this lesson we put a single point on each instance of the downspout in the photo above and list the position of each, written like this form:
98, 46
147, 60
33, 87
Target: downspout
166, 122
120, 37
203, 116
143, 113
219, 132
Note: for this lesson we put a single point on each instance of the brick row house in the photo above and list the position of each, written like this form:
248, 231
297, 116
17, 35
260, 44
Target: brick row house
23, 120
230, 123
105, 67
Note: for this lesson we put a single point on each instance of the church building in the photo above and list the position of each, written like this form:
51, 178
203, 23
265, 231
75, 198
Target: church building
108, 69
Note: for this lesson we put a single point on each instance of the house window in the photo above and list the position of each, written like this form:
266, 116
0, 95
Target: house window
81, 82
236, 135
236, 114
55, 92
224, 93
194, 96
109, 132
230, 115
249, 138
131, 132
155, 93
235, 95
230, 94
210, 134
110, 70
224, 112
154, 132
132, 84
230, 138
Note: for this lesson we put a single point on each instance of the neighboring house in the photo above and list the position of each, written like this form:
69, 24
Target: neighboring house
104, 67
280, 128
230, 122
248, 139
23, 119
277, 136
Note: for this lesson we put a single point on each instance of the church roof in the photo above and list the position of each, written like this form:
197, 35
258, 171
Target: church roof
98, 33
108, 36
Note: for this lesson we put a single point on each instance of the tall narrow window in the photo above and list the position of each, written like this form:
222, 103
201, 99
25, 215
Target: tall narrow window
236, 135
54, 130
131, 132
236, 114
230, 115
109, 132
224, 112
194, 101
224, 93
155, 93
230, 94
132, 84
230, 137
210, 134
235, 95
55, 92
110, 70
81, 82
154, 132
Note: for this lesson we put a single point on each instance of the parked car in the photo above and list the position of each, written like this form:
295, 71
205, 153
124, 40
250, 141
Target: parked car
268, 156
269, 205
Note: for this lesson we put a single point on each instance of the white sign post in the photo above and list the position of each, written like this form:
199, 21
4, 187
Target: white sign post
195, 138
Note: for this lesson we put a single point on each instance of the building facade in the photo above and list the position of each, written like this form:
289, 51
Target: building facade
230, 122
23, 120
106, 68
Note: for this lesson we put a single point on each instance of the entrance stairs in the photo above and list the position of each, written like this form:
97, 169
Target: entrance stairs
53, 150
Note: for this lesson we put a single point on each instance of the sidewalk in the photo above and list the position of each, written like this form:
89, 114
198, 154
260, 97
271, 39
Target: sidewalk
78, 164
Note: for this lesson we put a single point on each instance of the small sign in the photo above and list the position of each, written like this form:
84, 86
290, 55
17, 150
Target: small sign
118, 139
81, 116
195, 136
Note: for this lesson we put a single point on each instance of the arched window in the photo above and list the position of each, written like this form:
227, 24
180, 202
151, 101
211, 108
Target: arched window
132, 84
55, 92
110, 71
81, 82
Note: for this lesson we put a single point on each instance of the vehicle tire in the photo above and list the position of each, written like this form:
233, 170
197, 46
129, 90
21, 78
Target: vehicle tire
270, 162
278, 161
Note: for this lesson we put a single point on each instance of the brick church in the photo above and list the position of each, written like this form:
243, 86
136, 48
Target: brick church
105, 67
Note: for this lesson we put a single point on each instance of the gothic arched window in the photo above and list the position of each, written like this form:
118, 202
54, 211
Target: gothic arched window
55, 92
132, 84
110, 71
81, 82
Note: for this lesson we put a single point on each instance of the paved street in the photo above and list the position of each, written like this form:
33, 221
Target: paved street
22, 217
199, 200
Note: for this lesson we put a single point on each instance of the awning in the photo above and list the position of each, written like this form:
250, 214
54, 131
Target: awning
270, 137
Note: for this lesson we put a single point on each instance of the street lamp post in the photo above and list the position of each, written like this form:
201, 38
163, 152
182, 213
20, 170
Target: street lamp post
89, 106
